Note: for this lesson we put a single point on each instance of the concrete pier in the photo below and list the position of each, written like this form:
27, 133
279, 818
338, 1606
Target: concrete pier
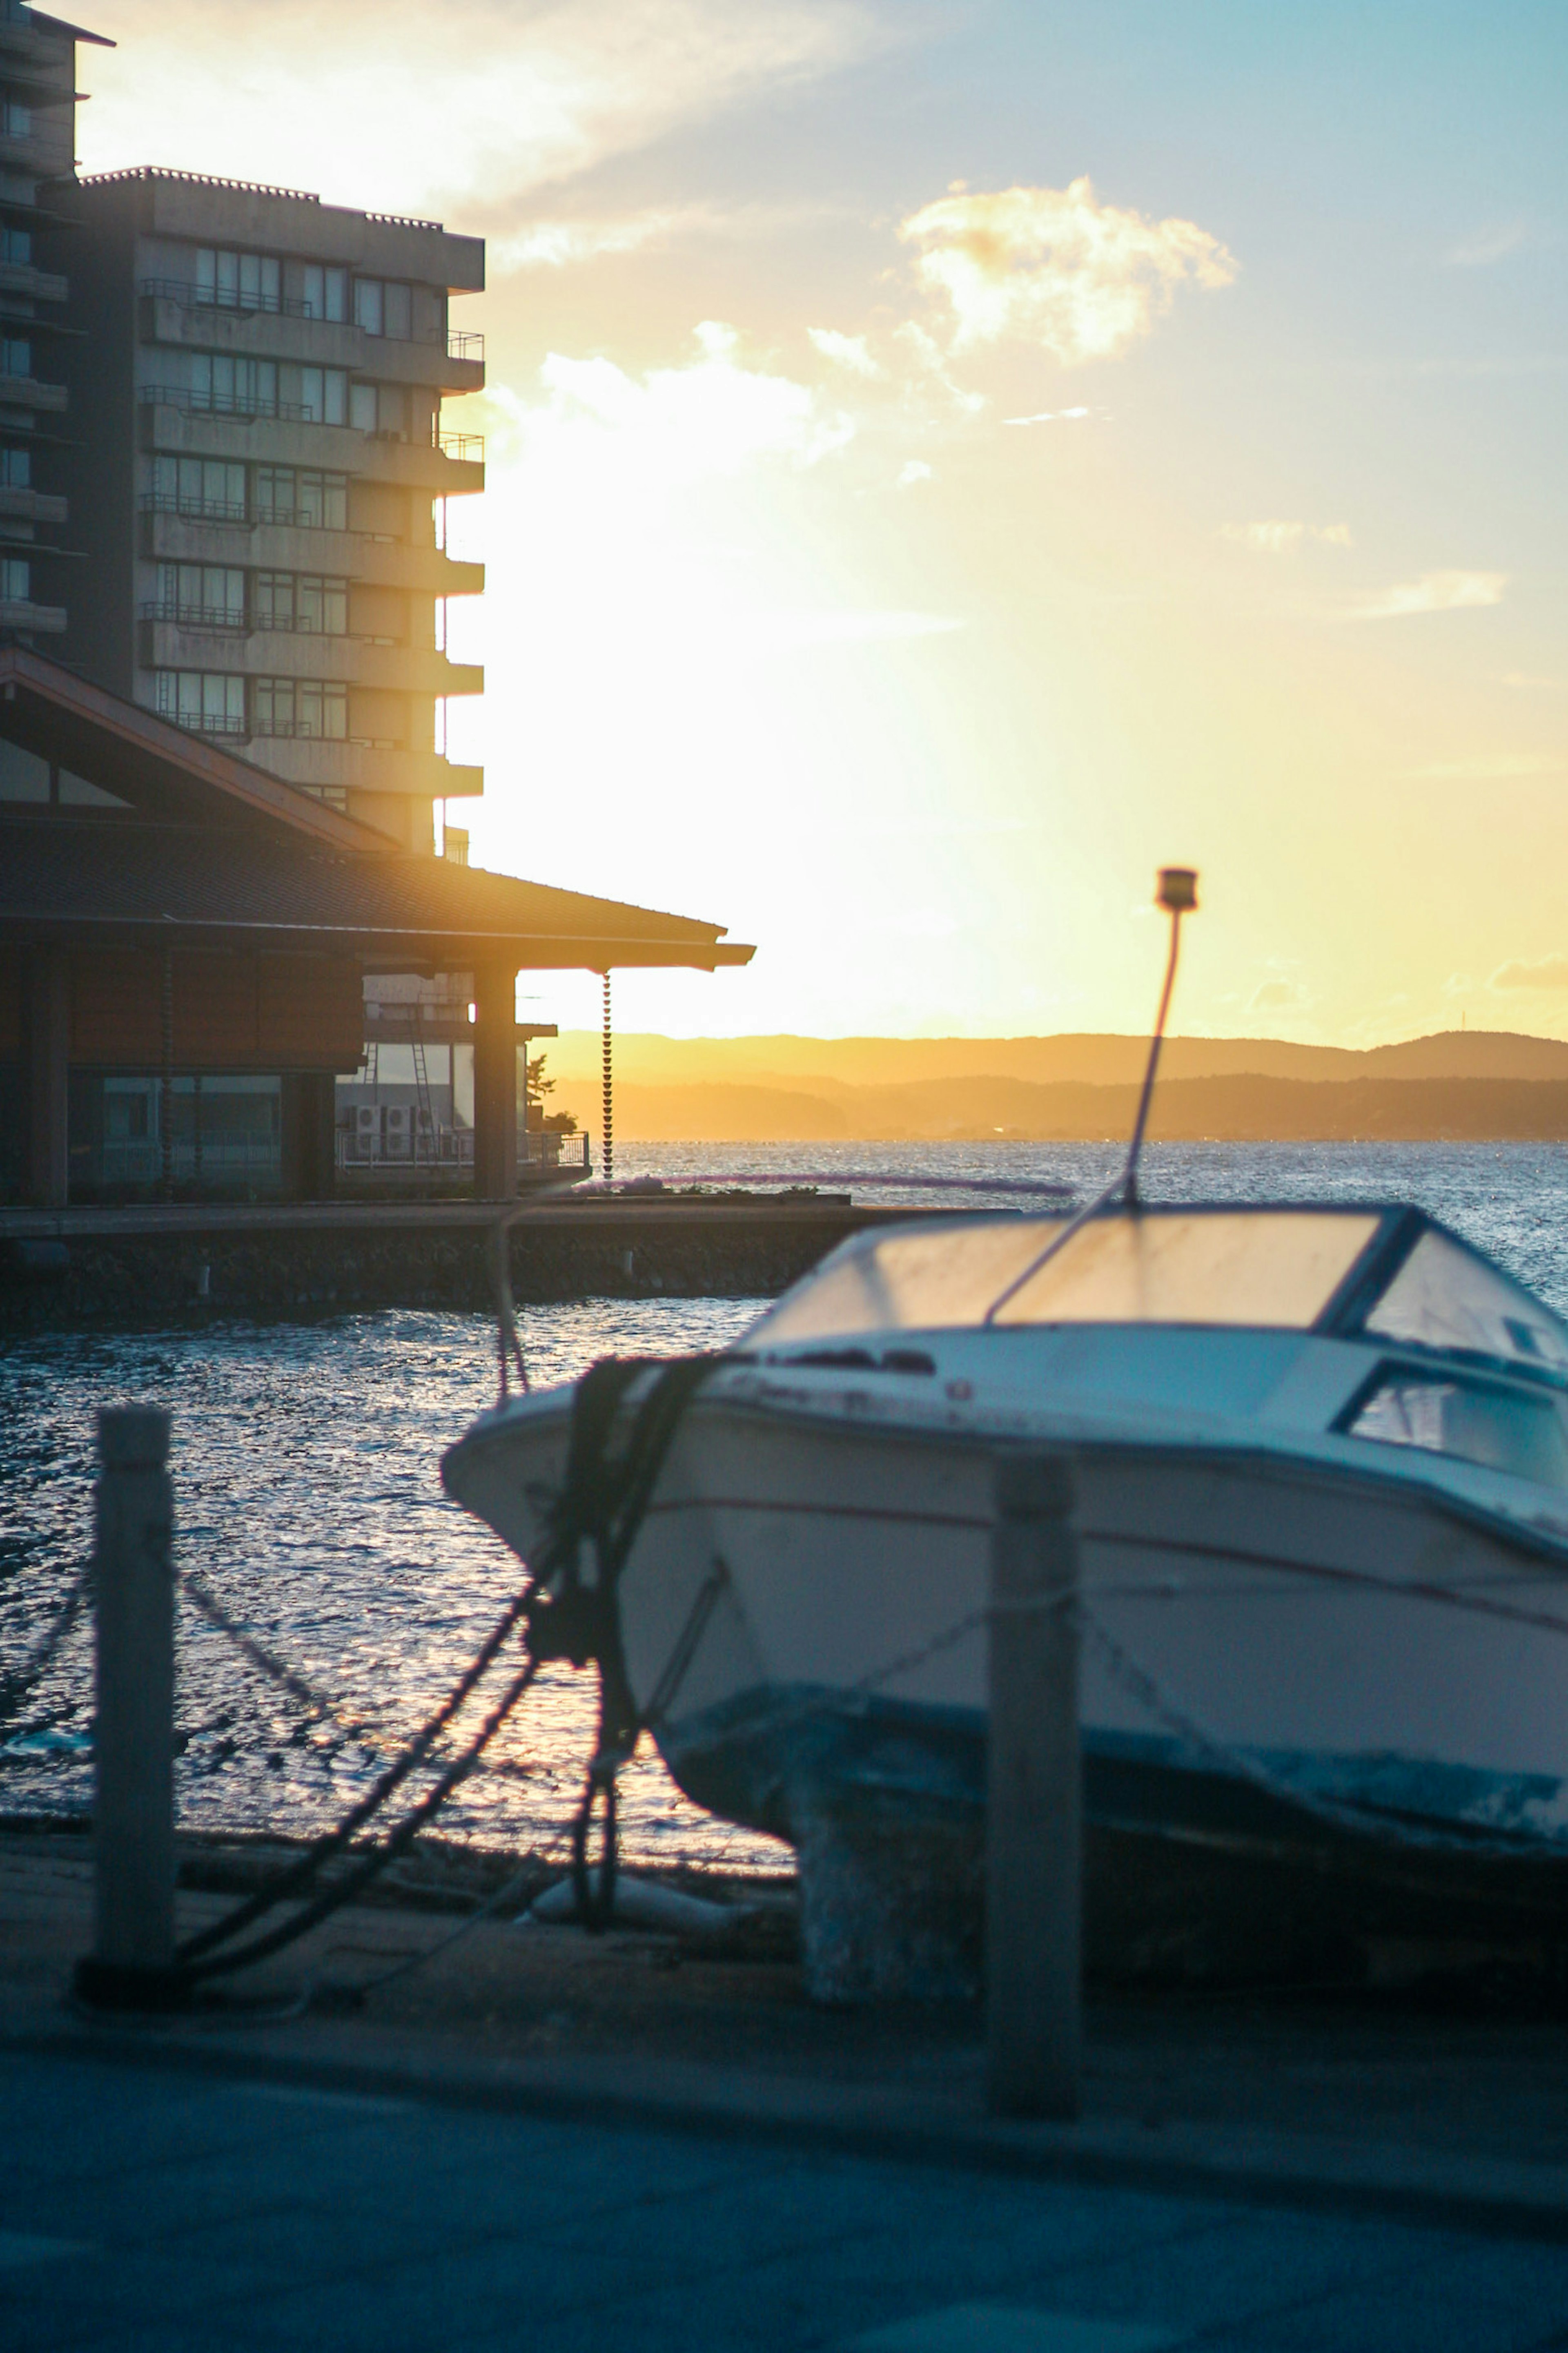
68, 1267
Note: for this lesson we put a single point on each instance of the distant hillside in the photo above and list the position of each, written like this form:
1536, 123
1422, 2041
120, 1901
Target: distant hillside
826, 1067
1233, 1109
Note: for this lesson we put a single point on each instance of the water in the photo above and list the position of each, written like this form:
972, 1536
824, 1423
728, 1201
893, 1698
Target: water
306, 1463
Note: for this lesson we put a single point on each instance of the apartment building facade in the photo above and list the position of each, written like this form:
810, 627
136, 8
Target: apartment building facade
260, 476
38, 158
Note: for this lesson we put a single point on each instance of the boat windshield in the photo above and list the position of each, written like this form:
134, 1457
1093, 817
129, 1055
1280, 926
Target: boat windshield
1277, 1268
1445, 1296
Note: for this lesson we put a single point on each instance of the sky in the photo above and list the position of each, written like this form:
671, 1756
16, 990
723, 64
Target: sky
948, 458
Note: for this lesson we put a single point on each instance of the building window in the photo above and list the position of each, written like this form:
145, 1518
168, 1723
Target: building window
200, 595
381, 308
234, 387
300, 496
16, 245
238, 281
324, 395
15, 119
207, 487
326, 293
15, 580
15, 357
17, 468
202, 700
361, 407
304, 601
301, 706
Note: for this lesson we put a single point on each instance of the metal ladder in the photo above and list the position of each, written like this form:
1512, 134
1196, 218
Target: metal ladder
424, 1120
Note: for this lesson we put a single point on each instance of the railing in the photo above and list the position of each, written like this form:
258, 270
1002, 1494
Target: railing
197, 619
465, 343
218, 404
294, 730
206, 723
295, 625
192, 510
415, 1149
219, 297
468, 449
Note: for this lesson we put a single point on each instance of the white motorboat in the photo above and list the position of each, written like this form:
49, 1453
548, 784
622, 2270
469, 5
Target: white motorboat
1320, 1460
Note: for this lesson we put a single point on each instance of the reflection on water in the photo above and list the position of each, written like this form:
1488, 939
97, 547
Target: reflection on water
306, 1467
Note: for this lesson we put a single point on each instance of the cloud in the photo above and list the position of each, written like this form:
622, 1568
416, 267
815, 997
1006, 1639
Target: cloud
1284, 538
471, 106
913, 470
849, 352
1277, 997
784, 632
1056, 266
1524, 678
557, 244
1484, 246
1482, 767
1549, 973
1434, 592
640, 437
1051, 416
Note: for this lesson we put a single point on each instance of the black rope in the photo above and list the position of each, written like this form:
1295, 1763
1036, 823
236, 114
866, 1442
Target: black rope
333, 1899
297, 1877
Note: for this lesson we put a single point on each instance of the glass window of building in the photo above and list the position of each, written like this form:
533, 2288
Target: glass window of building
16, 245
15, 356
303, 601
234, 387
17, 468
326, 293
382, 308
302, 497
211, 487
238, 281
323, 395
205, 700
15, 580
301, 706
202, 595
16, 117
363, 415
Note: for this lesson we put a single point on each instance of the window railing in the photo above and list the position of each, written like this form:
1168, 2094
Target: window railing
206, 723
465, 343
300, 730
225, 404
192, 510
468, 449
197, 619
295, 625
224, 298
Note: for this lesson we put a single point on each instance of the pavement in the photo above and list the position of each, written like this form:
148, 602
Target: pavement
546, 2140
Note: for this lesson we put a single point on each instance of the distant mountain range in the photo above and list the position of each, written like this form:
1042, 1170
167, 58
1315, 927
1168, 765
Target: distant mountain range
1458, 1085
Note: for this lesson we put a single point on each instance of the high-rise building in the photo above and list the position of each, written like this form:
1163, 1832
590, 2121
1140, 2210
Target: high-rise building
38, 160
260, 475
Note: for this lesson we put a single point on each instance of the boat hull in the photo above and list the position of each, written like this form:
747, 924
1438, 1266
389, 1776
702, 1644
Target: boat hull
1320, 1707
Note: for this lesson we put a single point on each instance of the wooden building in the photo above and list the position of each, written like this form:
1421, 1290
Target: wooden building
184, 945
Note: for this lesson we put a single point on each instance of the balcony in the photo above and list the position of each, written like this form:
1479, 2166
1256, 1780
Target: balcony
170, 640
168, 423
369, 559
27, 392
44, 621
329, 765
32, 506
172, 314
20, 278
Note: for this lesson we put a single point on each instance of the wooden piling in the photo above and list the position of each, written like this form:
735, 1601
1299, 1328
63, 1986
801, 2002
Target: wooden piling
1034, 1805
132, 1965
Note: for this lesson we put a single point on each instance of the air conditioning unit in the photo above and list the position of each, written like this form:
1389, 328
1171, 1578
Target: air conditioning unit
399, 1128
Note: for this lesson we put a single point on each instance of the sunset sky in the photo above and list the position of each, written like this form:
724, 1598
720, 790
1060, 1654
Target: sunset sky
949, 457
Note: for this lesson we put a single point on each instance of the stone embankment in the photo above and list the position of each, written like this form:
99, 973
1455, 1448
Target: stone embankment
83, 1266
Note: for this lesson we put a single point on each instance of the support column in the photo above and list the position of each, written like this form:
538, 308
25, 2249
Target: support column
310, 1113
133, 1734
495, 1082
46, 989
609, 1143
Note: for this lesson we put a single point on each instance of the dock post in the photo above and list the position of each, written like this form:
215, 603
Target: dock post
132, 1964
1033, 1896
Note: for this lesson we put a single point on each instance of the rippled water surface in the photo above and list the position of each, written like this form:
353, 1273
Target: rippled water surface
306, 1463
